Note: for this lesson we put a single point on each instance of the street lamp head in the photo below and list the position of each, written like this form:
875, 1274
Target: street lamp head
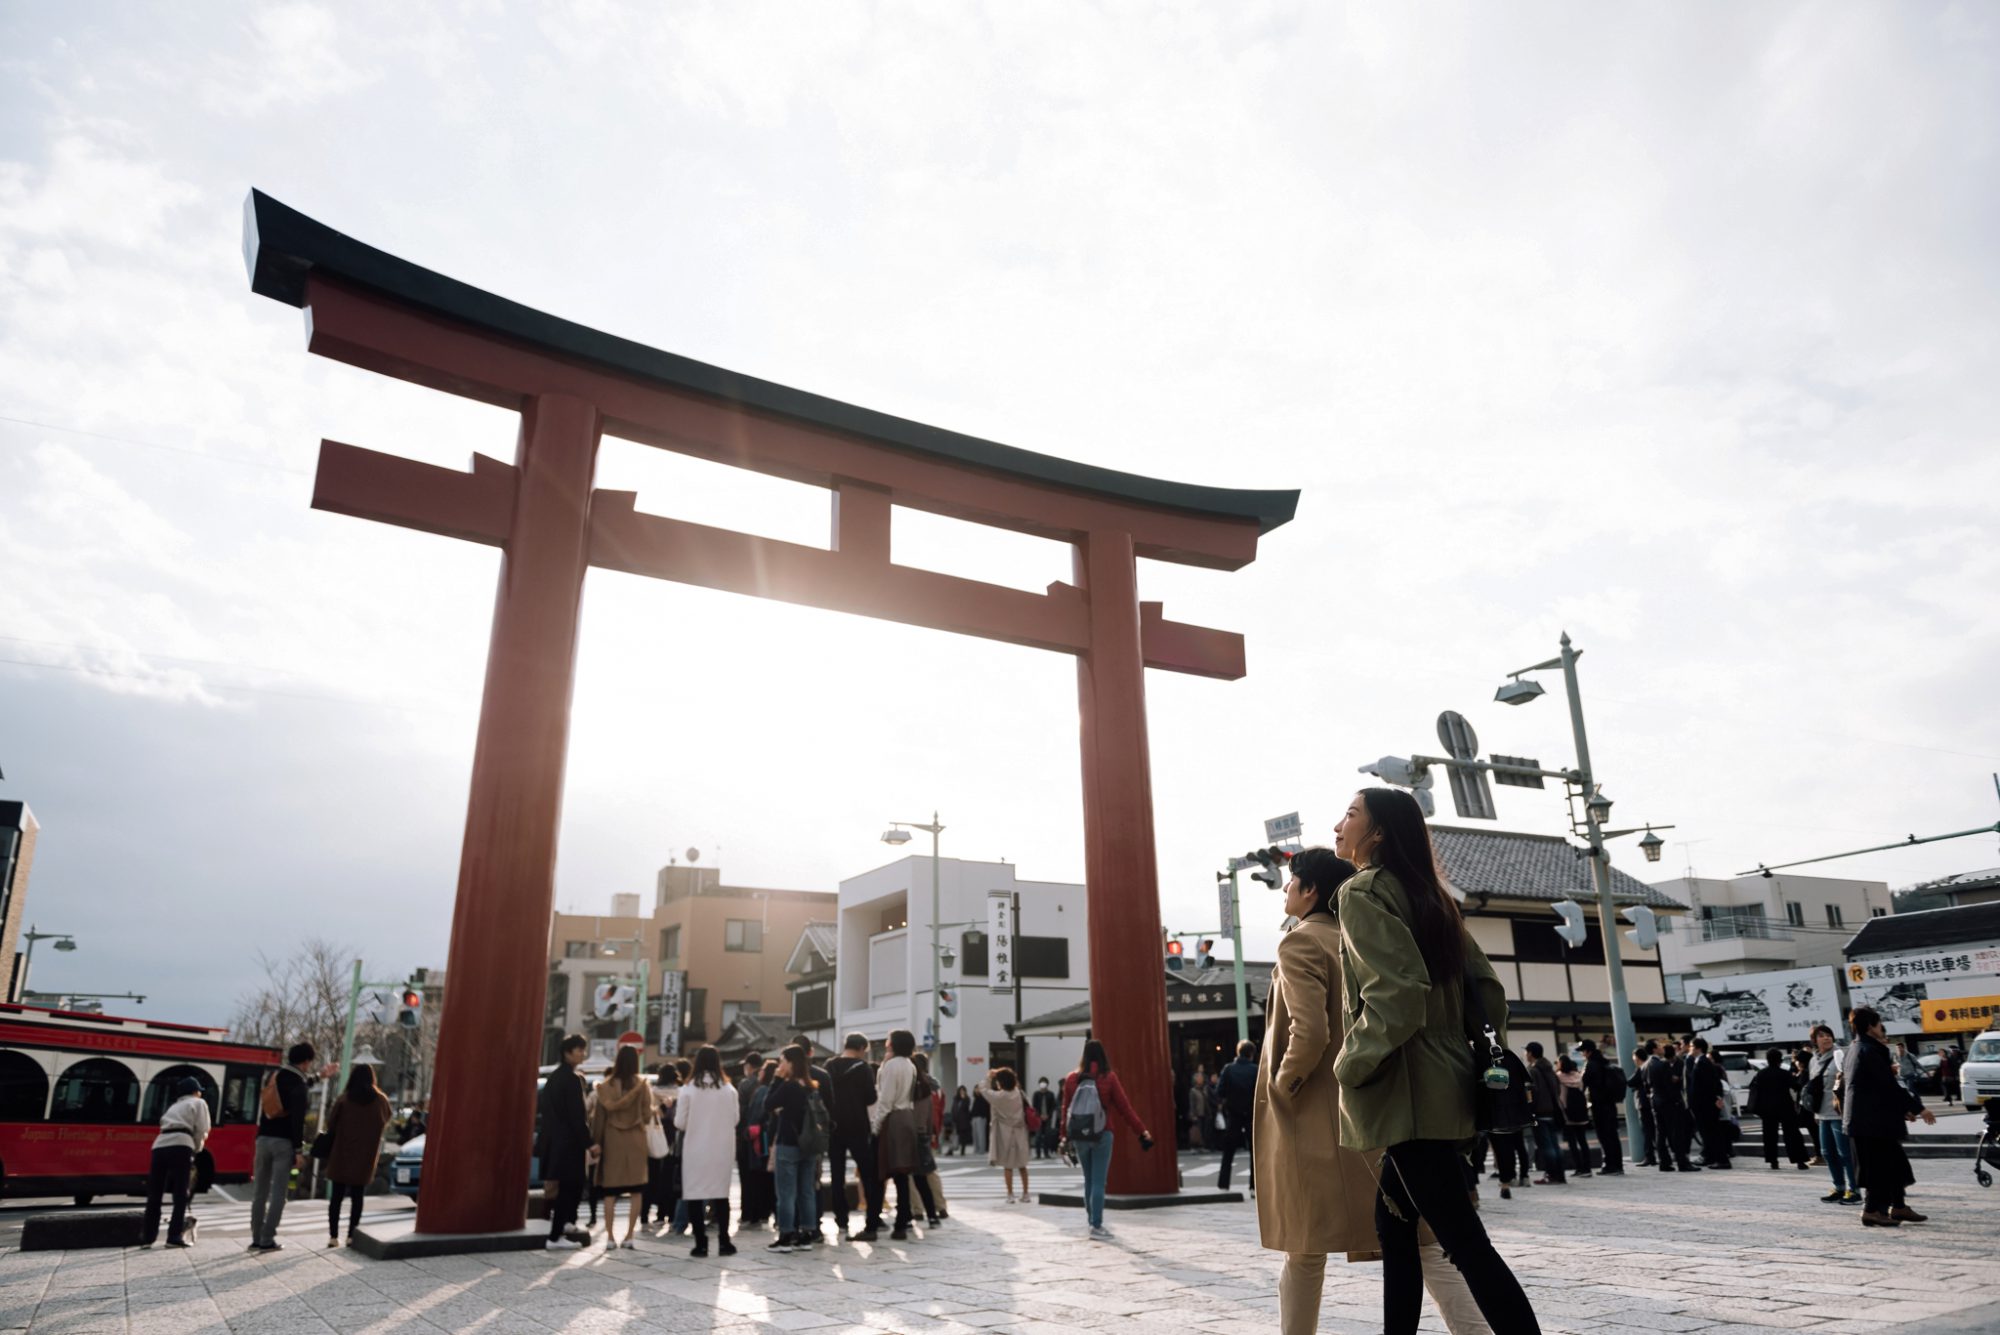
1651, 846
947, 957
895, 836
1600, 808
1518, 692
66, 943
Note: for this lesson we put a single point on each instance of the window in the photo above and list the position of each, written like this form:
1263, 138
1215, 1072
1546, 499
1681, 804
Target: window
743, 934
579, 950
241, 1088
1795, 913
96, 1089
670, 944
24, 1088
1878, 913
1536, 942
696, 1028
811, 1006
160, 1092
731, 1010
1833, 915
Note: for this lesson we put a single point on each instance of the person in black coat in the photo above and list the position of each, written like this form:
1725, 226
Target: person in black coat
1774, 1102
1709, 1106
1876, 1109
1236, 1093
1605, 1086
563, 1143
853, 1094
1670, 1113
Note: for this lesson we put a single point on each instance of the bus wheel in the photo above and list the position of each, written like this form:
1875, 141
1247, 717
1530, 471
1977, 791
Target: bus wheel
83, 1198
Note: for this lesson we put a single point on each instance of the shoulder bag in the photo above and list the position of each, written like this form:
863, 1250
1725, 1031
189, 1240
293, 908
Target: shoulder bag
1501, 1079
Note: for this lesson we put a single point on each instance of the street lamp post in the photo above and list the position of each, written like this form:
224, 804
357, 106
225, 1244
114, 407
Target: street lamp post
64, 941
1596, 808
899, 833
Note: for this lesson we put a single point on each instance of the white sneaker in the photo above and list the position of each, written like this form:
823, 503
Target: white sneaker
1099, 1233
564, 1245
1010, 1198
629, 1245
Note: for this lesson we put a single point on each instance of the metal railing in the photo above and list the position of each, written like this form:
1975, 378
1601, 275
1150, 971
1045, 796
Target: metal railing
1733, 928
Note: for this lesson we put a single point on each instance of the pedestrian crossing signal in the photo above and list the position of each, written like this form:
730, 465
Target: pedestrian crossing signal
412, 1010
1174, 950
947, 1001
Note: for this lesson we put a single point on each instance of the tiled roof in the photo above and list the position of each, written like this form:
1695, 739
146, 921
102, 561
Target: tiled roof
1504, 864
1921, 931
821, 938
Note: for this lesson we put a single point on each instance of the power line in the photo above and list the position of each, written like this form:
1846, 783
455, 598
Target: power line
155, 445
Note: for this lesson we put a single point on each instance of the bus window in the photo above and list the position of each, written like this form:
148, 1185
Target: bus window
241, 1087
160, 1092
24, 1088
96, 1089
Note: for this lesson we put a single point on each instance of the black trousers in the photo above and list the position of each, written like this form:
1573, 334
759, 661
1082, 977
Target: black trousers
1795, 1146
1579, 1147
353, 1195
1655, 1151
168, 1173
562, 1211
1424, 1179
698, 1212
1714, 1140
1883, 1169
1510, 1157
1676, 1136
921, 1180
1239, 1138
862, 1150
1606, 1117
902, 1181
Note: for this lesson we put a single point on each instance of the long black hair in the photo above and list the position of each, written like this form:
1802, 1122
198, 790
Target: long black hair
1321, 870
708, 1067
361, 1087
1093, 1061
1403, 849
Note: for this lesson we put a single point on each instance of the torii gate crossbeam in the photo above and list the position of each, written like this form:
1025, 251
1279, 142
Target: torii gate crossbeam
571, 385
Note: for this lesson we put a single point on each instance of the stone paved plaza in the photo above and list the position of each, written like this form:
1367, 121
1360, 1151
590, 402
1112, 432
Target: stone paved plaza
1739, 1253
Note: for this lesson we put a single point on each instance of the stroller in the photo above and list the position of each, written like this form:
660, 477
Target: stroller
1988, 1153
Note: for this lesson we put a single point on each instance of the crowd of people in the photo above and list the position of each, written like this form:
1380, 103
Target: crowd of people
1383, 1082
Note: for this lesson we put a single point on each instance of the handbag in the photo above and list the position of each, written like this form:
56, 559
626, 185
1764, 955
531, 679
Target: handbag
1499, 1077
1033, 1118
322, 1145
1221, 1120
657, 1146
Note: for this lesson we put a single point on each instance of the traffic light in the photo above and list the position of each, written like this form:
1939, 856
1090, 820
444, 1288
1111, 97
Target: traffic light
1399, 772
1174, 951
613, 1001
947, 1001
1204, 954
1645, 932
1572, 929
1272, 864
411, 1008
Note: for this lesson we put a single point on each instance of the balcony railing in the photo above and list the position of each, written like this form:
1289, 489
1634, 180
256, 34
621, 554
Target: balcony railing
1738, 929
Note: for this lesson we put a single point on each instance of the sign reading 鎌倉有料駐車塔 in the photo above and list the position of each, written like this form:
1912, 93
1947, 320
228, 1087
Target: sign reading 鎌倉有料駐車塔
1938, 964
1907, 989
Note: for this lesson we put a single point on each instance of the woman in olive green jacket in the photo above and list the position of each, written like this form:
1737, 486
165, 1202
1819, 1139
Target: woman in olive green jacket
1406, 1069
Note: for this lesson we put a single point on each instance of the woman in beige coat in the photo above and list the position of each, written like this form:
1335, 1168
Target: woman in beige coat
618, 1118
1319, 1197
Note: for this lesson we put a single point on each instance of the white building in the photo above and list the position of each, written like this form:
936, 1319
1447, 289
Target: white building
1761, 924
886, 962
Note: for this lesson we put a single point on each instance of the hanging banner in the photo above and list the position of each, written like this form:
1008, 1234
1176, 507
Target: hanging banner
1225, 899
1000, 940
673, 999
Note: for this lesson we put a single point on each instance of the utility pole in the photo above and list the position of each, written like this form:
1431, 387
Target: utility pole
1232, 923
1600, 869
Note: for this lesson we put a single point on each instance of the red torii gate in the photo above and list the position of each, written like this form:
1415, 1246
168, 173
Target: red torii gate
571, 384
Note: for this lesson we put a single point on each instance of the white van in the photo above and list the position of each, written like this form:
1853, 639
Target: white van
1979, 1078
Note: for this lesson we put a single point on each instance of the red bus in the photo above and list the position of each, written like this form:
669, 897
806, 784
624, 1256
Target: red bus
81, 1097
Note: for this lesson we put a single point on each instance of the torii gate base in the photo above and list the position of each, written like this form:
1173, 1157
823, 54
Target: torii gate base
570, 386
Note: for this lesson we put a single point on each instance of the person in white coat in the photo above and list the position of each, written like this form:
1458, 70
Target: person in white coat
705, 1114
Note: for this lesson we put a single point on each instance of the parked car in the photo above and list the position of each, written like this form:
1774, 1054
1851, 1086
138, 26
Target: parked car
1979, 1078
1929, 1084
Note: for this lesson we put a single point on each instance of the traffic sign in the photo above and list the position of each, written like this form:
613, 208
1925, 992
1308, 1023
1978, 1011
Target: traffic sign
632, 1038
1283, 829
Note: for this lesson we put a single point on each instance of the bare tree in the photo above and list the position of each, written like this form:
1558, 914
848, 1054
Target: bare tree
303, 998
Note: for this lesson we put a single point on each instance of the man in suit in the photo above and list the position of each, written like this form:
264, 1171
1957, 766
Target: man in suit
563, 1146
1670, 1114
1605, 1086
1707, 1101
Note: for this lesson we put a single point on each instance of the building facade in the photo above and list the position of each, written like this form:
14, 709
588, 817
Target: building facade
813, 969
1934, 976
732, 943
1762, 924
18, 831
886, 973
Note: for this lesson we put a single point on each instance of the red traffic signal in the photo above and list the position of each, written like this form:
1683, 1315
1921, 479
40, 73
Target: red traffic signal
412, 997
1175, 947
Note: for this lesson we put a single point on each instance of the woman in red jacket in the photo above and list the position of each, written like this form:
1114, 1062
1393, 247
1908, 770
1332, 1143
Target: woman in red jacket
1086, 1125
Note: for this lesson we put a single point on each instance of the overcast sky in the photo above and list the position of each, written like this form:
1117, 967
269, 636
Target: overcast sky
1671, 326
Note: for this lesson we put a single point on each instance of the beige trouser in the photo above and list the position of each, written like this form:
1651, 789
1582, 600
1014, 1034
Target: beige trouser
1304, 1276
